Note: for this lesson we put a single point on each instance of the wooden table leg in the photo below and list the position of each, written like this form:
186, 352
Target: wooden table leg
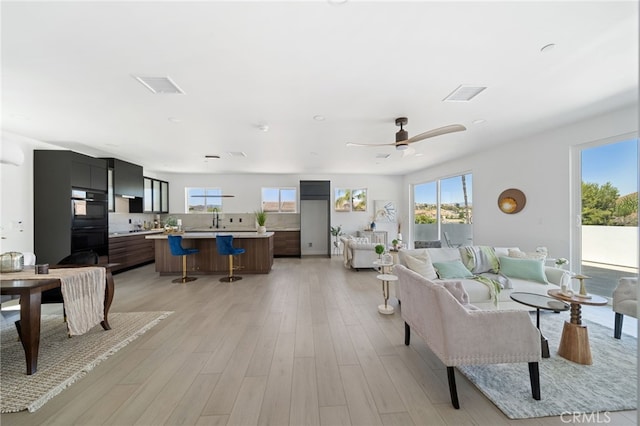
29, 328
108, 298
574, 344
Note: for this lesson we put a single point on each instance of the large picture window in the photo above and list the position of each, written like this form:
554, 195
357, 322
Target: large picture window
280, 200
203, 200
443, 211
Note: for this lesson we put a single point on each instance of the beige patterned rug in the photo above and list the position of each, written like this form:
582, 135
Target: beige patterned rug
62, 360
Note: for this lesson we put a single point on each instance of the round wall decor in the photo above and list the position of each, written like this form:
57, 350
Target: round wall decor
511, 201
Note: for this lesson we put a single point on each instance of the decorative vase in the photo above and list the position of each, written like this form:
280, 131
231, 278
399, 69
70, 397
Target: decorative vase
373, 226
262, 229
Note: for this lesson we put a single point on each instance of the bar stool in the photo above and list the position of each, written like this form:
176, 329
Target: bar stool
175, 245
224, 244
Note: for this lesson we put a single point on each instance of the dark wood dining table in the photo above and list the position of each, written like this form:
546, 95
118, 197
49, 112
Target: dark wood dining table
30, 292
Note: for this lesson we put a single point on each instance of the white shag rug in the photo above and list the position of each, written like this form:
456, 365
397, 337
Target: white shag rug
62, 360
609, 384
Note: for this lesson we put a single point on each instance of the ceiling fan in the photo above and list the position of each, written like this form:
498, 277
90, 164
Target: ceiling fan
402, 136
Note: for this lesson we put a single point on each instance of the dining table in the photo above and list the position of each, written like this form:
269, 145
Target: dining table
30, 287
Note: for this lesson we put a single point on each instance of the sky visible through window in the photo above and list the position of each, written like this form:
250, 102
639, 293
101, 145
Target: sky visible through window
451, 191
616, 163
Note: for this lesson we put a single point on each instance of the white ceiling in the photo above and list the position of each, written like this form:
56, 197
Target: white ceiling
67, 72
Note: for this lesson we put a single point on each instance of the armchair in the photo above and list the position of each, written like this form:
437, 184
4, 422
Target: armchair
460, 334
625, 302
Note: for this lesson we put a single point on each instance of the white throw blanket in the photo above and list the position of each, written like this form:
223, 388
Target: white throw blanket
83, 295
82, 291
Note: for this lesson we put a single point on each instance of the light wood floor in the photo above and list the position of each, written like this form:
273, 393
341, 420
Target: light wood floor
303, 345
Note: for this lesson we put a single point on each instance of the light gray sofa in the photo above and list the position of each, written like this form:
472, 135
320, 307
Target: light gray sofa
358, 253
625, 302
480, 293
460, 334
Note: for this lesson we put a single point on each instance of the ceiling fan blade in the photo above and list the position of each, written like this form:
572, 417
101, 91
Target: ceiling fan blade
369, 144
437, 132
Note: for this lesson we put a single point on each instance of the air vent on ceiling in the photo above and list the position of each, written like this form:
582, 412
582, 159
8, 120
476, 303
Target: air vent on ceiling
237, 154
464, 93
212, 156
160, 85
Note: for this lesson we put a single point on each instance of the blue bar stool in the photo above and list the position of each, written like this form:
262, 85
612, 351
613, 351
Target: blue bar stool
175, 245
224, 244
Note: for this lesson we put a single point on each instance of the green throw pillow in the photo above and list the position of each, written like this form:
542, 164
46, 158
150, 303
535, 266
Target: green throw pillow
452, 269
526, 269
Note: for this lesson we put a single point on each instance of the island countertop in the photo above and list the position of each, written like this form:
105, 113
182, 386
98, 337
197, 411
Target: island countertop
209, 235
257, 258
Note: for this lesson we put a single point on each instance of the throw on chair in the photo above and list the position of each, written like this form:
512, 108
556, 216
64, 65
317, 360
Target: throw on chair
224, 244
175, 245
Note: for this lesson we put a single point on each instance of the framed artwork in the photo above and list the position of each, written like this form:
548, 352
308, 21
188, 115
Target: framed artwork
359, 200
511, 201
343, 200
385, 211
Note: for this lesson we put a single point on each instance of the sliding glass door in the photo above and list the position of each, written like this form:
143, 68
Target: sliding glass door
608, 234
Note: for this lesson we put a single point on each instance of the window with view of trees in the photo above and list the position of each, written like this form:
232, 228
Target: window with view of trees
443, 211
282, 200
203, 200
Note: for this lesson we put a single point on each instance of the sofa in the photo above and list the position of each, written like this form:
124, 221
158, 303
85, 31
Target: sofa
488, 274
358, 252
460, 334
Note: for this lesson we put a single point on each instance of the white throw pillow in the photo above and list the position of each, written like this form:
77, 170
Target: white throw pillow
421, 265
527, 255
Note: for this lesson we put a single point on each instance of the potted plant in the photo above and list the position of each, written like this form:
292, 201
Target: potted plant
395, 243
336, 231
379, 250
261, 219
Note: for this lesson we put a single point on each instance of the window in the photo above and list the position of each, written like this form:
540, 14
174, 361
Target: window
282, 200
443, 211
203, 200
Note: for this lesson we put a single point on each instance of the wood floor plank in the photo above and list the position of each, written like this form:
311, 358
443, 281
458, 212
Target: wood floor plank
330, 391
362, 407
277, 402
189, 408
246, 409
304, 393
335, 416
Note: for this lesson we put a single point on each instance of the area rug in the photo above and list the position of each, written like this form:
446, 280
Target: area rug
62, 360
609, 384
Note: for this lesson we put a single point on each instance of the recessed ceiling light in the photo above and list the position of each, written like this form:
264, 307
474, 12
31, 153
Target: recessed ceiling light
263, 127
319, 117
174, 119
337, 1
382, 156
548, 48
464, 93
479, 121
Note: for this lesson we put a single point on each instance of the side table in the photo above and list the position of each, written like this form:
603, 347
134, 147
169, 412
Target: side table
385, 278
574, 343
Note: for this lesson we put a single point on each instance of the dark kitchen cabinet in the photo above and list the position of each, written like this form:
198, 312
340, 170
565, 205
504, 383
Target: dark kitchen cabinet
156, 196
55, 173
127, 178
286, 243
130, 250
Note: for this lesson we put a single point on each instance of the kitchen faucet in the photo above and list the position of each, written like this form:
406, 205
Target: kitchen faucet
216, 219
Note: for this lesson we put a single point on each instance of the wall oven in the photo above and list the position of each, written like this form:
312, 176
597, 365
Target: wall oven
89, 221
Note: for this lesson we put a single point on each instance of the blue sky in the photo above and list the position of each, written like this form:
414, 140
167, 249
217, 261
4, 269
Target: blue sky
451, 191
616, 163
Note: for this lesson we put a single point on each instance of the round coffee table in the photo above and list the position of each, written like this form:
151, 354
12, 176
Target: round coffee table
540, 301
574, 344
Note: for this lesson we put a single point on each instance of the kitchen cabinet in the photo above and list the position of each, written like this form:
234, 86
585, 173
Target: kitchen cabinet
127, 251
286, 243
156, 196
127, 178
55, 173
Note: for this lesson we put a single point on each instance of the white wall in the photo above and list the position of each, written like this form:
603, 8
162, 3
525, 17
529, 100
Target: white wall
247, 191
540, 166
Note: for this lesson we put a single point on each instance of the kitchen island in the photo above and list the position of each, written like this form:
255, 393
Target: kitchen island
257, 259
